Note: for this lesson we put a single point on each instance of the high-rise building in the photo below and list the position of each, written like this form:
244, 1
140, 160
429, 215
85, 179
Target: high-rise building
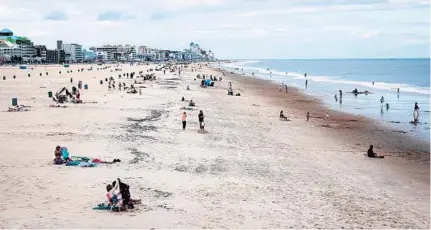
24, 44
59, 44
9, 50
142, 50
41, 52
51, 56
61, 56
116, 52
73, 52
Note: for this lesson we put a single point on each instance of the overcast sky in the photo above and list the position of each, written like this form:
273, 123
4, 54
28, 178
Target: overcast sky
232, 28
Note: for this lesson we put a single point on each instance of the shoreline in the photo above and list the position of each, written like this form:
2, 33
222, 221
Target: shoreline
387, 141
324, 84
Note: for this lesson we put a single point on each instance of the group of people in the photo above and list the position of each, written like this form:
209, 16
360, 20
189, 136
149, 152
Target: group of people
200, 118
119, 197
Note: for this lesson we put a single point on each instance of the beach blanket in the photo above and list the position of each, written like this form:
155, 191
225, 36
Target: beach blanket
81, 164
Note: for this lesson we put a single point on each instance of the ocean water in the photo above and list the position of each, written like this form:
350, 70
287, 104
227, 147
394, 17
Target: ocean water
326, 77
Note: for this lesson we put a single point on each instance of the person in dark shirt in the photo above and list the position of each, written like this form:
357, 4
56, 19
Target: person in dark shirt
372, 154
201, 120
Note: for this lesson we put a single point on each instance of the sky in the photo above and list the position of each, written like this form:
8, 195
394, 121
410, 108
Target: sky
236, 29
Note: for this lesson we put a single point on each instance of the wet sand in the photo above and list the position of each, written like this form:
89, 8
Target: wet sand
250, 170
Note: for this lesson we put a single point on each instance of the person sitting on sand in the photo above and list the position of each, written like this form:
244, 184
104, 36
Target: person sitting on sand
372, 154
57, 153
282, 116
125, 194
192, 103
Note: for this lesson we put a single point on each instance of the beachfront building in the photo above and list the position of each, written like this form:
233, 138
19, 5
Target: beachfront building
117, 52
27, 50
196, 53
40, 53
73, 52
89, 56
52, 56
142, 50
9, 50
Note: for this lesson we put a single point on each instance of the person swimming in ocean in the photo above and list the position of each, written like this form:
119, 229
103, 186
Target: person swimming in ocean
355, 91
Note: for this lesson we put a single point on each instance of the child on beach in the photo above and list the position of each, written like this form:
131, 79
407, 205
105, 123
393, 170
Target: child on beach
184, 120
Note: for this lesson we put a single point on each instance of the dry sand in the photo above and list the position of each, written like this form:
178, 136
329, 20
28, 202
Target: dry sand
250, 170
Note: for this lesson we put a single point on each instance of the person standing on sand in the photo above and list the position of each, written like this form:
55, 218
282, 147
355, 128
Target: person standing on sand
279, 88
285, 87
201, 120
327, 118
308, 116
184, 119
306, 84
416, 113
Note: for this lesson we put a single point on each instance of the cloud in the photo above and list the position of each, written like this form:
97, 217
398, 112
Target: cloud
114, 16
158, 16
56, 16
369, 34
231, 28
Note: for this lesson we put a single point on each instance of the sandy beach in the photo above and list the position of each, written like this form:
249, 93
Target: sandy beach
249, 170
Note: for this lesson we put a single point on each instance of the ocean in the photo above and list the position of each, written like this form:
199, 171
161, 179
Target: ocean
327, 76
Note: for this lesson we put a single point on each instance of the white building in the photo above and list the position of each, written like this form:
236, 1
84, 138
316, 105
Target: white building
8, 50
117, 52
73, 52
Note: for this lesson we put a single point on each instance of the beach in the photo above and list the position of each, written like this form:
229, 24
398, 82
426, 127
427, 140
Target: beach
248, 170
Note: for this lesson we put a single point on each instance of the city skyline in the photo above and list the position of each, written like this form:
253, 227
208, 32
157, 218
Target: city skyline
233, 29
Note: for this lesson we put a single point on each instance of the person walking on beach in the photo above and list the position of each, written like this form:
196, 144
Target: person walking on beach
306, 84
336, 98
285, 87
308, 116
201, 120
279, 88
184, 119
382, 100
341, 93
305, 74
327, 118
